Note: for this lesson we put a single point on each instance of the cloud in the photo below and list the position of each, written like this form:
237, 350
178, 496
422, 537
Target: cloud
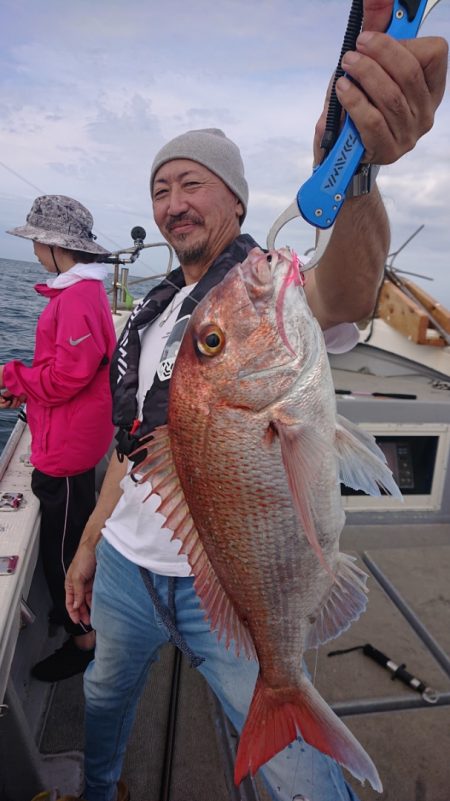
90, 92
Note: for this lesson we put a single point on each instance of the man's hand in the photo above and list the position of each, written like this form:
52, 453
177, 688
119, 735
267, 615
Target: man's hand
377, 14
399, 85
405, 82
80, 575
78, 583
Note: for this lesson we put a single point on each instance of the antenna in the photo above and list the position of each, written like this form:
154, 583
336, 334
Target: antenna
393, 256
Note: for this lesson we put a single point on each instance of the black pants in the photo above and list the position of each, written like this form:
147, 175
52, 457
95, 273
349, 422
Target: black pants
66, 504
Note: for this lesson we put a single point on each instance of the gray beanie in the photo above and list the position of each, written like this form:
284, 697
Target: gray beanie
211, 148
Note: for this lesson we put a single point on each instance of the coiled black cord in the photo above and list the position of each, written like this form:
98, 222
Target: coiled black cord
334, 109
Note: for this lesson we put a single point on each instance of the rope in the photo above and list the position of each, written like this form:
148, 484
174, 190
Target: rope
167, 615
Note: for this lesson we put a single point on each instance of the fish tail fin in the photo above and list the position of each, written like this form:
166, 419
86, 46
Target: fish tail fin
276, 717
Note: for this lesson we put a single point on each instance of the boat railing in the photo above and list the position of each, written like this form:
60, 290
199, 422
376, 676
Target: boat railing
11, 445
119, 258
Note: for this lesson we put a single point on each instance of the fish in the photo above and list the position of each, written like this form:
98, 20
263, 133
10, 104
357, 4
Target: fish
248, 470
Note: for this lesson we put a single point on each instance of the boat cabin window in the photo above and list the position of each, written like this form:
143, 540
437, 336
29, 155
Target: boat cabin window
419, 457
412, 460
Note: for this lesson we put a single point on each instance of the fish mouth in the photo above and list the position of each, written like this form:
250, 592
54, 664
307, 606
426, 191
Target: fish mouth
294, 276
291, 280
272, 277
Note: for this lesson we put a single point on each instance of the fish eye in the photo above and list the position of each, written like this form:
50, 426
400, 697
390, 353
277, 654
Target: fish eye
211, 340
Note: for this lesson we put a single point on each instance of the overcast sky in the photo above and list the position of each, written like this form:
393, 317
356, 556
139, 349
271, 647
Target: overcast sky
91, 89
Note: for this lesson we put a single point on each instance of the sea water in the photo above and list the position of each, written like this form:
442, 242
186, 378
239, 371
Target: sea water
21, 307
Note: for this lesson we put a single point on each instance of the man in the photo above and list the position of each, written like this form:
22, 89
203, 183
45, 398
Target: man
199, 196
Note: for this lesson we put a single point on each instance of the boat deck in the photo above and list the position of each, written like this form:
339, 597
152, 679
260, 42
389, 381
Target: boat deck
408, 620
181, 748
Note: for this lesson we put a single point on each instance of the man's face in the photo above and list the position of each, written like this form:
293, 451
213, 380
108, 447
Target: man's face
195, 211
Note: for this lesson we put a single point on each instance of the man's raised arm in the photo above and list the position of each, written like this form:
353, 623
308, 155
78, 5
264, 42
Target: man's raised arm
396, 89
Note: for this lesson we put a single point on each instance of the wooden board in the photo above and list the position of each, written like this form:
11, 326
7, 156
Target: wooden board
407, 317
439, 312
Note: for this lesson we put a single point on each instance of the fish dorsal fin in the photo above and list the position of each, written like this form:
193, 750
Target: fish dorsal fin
159, 468
303, 451
362, 464
345, 602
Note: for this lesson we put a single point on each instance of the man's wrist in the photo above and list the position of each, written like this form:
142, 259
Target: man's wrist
363, 180
91, 536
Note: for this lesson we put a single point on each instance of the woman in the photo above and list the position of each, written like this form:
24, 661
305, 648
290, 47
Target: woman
68, 402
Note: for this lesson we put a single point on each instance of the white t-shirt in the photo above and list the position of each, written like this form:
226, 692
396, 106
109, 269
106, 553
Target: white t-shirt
135, 528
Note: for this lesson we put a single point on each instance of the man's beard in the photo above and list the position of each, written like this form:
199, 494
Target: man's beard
190, 255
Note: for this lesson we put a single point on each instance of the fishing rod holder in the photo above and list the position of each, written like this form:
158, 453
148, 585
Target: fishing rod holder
129, 256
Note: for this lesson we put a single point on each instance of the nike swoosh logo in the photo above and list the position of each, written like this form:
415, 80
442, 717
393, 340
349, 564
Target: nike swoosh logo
77, 341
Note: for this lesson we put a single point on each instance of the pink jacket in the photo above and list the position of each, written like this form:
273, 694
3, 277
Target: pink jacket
67, 387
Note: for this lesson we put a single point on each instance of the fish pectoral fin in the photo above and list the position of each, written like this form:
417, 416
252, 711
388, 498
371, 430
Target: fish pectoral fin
276, 717
362, 463
303, 452
345, 602
159, 468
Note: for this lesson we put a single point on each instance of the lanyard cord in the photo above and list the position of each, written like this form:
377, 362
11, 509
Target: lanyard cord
334, 109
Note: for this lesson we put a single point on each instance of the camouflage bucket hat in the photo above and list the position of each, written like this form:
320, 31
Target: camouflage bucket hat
61, 221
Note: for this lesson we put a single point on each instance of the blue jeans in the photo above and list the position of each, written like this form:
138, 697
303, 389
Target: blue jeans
129, 635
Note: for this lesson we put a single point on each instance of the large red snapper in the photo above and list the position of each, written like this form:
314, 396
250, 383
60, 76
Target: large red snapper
248, 472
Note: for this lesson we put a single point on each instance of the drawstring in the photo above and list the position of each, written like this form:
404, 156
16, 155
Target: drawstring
167, 615
54, 260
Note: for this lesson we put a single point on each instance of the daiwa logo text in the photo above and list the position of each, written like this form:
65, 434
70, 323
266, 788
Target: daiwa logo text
341, 161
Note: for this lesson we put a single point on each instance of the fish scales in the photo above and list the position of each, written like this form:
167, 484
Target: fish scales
256, 448
241, 502
243, 493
